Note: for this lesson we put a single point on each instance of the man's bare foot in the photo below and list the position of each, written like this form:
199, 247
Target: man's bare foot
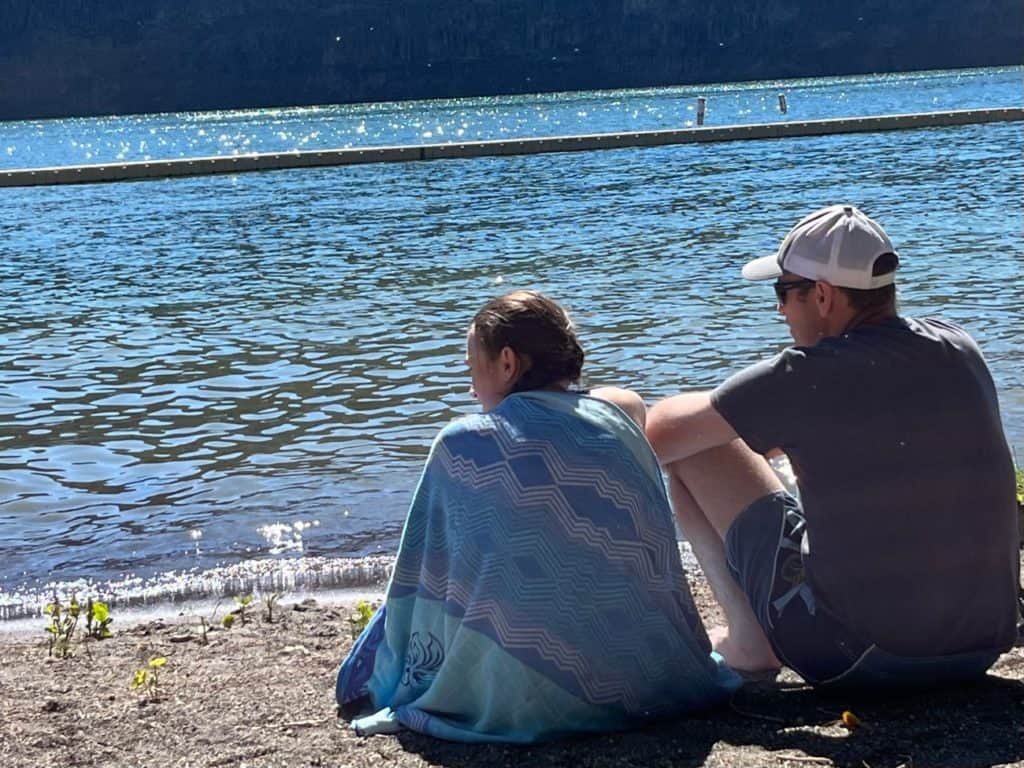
748, 656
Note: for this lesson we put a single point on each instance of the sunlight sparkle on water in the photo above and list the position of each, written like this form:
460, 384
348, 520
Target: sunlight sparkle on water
238, 358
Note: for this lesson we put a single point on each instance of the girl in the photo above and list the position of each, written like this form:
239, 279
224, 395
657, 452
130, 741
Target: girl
524, 341
538, 589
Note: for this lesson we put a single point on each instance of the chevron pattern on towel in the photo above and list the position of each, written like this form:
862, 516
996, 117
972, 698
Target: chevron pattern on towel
543, 527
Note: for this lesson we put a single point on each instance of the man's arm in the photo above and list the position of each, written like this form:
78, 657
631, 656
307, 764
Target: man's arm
685, 425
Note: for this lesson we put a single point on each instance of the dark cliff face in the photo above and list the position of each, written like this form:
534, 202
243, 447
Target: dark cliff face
90, 57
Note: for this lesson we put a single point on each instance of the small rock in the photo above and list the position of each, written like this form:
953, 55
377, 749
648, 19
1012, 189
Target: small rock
186, 638
308, 604
52, 705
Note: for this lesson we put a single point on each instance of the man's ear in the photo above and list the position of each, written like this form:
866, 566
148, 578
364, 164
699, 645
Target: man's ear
824, 298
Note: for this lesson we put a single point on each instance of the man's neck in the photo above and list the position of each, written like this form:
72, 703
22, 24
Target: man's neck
870, 316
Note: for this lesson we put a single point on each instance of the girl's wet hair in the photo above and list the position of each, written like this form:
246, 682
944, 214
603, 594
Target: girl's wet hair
538, 331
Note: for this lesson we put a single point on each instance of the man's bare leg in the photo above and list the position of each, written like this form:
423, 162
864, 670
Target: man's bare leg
708, 493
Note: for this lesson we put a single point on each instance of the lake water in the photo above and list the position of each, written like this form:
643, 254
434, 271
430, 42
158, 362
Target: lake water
239, 377
159, 137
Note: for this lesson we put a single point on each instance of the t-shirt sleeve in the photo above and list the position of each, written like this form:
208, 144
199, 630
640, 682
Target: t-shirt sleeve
761, 402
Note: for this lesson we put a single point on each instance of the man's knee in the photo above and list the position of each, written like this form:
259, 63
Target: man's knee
724, 481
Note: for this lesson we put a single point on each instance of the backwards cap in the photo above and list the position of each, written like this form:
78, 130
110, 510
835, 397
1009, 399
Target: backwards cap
838, 244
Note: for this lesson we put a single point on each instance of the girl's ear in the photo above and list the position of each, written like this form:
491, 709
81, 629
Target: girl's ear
508, 365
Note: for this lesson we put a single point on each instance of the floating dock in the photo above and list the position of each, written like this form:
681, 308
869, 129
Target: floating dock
203, 166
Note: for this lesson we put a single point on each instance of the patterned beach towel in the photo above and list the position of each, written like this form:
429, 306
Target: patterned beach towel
538, 588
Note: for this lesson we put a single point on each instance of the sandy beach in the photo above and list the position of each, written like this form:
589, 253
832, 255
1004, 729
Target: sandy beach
262, 694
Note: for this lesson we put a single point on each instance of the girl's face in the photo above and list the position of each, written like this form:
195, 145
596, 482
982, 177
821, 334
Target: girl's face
492, 378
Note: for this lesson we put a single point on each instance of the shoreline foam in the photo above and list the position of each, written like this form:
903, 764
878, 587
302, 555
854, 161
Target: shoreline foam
173, 592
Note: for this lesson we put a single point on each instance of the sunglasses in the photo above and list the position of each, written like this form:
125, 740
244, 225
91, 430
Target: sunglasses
782, 288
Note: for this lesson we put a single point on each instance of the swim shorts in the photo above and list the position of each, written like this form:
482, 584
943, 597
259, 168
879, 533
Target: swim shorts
763, 551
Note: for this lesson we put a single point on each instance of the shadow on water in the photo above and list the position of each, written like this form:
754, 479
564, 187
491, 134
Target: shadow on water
779, 724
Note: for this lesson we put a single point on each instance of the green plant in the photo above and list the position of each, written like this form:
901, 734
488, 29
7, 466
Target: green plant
242, 603
1020, 515
64, 621
361, 618
61, 629
269, 602
97, 620
147, 679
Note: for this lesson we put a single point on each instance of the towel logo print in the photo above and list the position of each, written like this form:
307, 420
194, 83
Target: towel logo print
425, 659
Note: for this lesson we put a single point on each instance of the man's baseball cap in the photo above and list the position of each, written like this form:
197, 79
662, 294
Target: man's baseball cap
838, 244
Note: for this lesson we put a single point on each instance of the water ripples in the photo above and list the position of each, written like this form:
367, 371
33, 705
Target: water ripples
156, 137
204, 373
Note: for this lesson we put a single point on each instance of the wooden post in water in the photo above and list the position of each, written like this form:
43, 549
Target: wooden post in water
782, 104
701, 103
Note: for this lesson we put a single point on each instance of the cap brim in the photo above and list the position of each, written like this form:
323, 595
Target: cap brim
764, 268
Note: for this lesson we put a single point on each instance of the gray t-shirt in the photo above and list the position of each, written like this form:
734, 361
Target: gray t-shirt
906, 481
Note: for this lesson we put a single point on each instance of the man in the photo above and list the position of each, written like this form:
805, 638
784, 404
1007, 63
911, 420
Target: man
899, 563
